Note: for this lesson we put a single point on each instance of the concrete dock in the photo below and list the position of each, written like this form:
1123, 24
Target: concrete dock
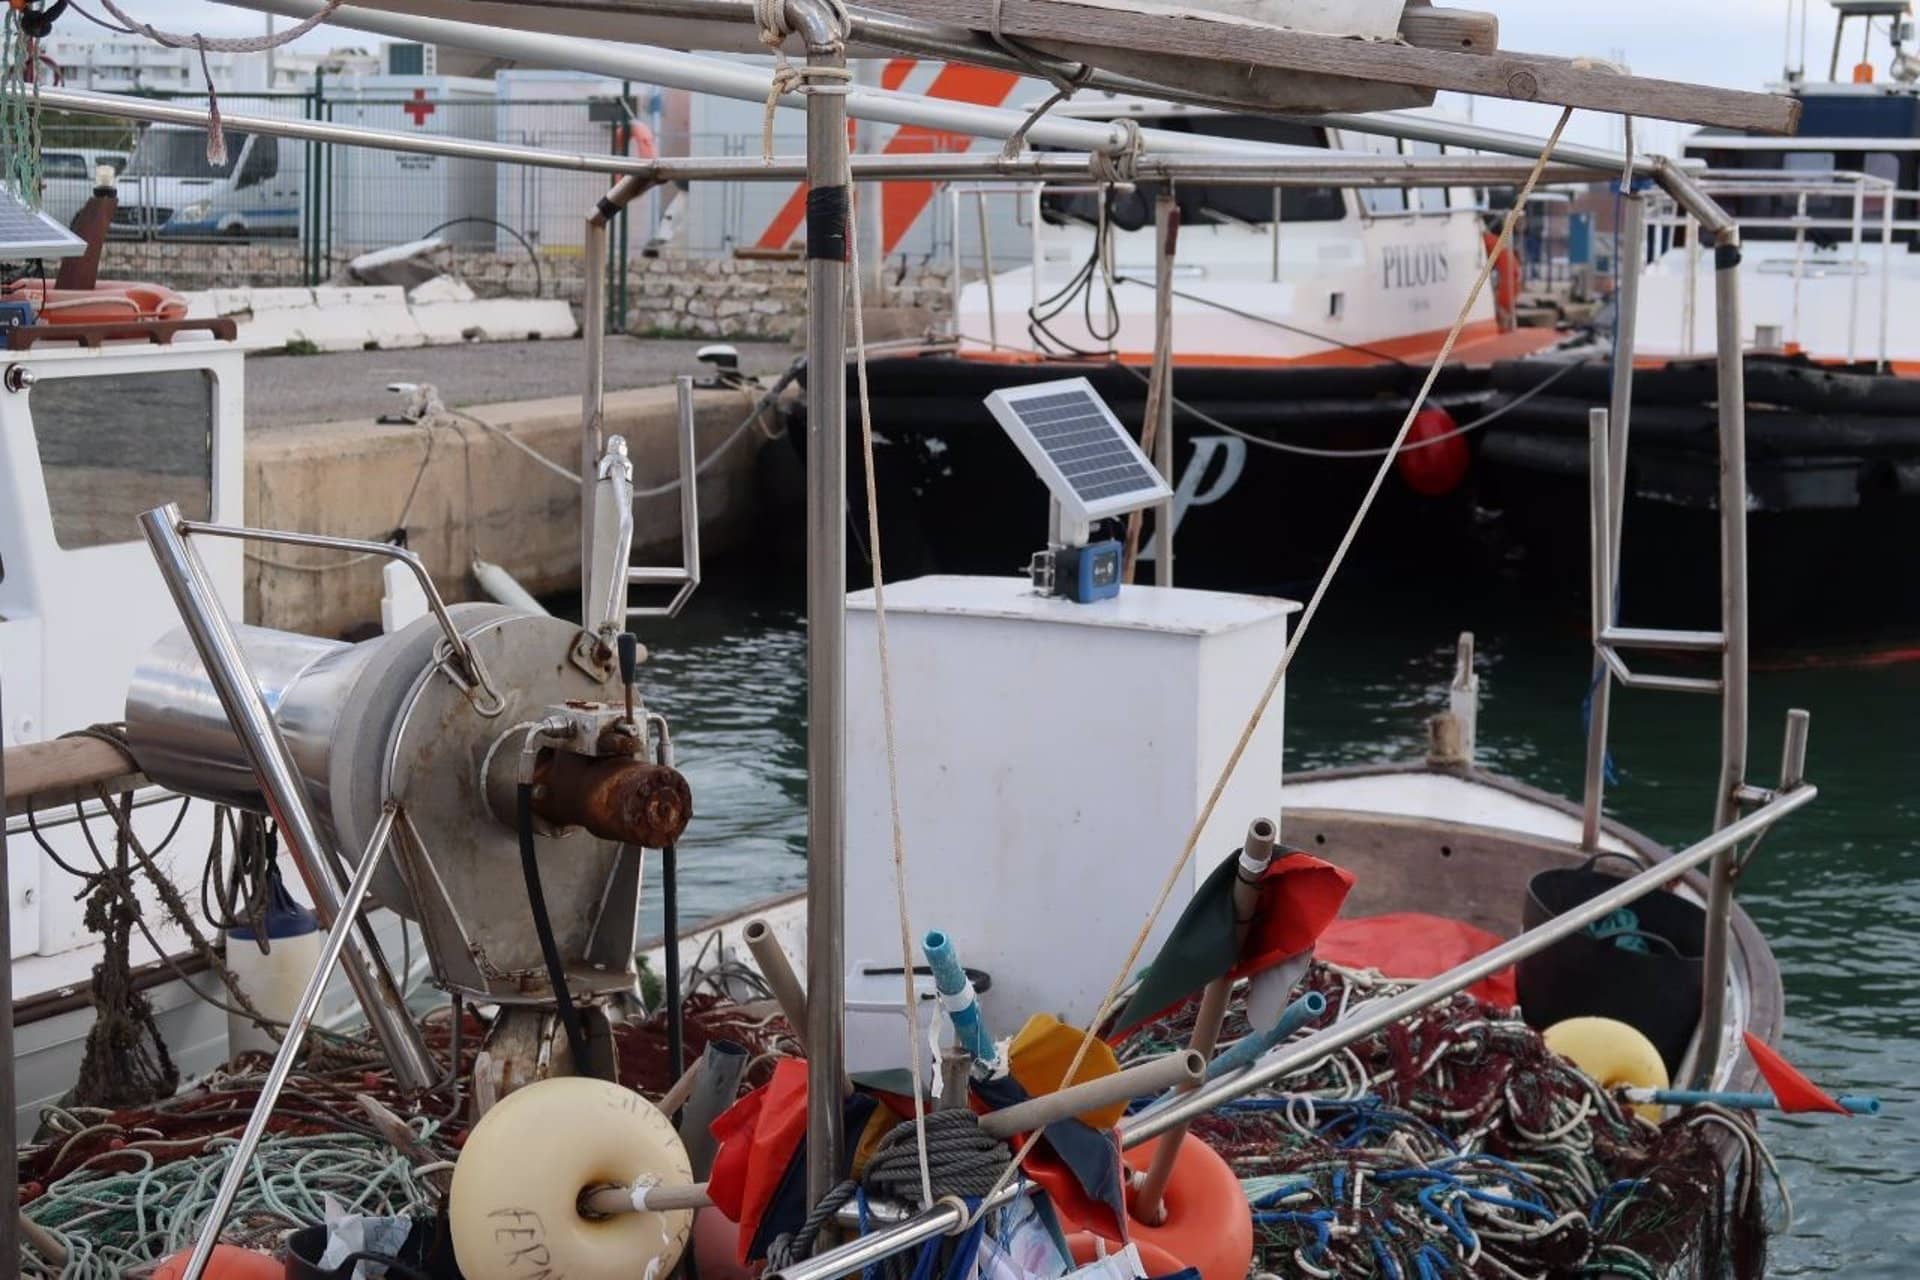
458, 490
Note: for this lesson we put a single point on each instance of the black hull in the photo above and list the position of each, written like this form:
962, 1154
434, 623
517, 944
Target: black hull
957, 497
1833, 474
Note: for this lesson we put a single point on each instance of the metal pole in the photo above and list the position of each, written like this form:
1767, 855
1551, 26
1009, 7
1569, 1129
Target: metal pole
593, 326
1733, 661
1600, 609
827, 200
1629, 260
280, 782
9, 1083
1166, 229
1379, 1014
338, 937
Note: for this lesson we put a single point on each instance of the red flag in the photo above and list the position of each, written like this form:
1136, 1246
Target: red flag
1793, 1091
758, 1137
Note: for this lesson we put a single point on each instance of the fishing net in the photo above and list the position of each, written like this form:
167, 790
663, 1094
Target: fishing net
19, 110
1455, 1143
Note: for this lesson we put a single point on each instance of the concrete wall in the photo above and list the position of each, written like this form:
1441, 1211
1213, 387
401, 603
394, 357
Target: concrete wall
477, 497
681, 296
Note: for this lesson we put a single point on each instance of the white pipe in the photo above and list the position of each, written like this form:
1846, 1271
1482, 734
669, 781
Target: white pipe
674, 70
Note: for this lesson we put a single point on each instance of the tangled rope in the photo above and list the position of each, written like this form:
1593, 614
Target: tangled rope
1117, 164
112, 1222
1454, 1142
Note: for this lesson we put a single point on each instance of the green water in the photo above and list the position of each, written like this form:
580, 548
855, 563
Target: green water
1833, 889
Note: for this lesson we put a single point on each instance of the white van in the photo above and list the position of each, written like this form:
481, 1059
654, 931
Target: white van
169, 189
67, 177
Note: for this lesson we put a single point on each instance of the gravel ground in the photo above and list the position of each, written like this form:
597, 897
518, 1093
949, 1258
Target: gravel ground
290, 390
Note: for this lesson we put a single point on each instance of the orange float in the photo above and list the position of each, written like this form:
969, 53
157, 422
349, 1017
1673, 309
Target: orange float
227, 1262
1208, 1224
1506, 282
108, 302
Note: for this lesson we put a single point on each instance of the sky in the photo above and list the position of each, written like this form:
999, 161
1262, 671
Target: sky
1735, 43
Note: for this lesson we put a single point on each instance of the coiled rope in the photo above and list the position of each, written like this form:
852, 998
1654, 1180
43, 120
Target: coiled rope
961, 1159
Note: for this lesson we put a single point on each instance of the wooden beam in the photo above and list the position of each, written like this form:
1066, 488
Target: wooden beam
44, 775
1521, 77
1456, 30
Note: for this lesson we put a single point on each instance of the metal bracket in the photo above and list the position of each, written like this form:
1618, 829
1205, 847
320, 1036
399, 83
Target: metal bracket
687, 575
458, 658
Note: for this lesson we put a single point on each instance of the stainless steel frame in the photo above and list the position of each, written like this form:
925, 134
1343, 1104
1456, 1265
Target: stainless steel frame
338, 935
285, 792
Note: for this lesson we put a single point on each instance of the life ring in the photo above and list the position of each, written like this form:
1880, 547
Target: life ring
1506, 281
514, 1206
1208, 1225
1084, 1247
1613, 1053
108, 302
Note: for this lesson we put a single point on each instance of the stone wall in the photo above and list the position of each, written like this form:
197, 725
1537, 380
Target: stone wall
667, 296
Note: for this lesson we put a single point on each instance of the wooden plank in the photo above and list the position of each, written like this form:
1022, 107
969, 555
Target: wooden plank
1458, 30
1521, 77
44, 775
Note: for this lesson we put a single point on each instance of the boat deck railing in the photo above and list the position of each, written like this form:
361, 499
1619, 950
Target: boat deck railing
1823, 244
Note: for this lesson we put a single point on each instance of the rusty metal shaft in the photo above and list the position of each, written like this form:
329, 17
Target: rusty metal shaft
619, 798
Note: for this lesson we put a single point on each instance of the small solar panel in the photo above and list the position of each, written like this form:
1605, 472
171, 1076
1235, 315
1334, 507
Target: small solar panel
27, 233
1082, 453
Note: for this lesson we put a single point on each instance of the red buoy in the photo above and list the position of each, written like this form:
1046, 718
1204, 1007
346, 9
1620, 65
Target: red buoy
1435, 458
229, 1262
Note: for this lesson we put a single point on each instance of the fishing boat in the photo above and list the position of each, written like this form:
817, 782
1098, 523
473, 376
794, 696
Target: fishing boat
1060, 745
1302, 322
1829, 222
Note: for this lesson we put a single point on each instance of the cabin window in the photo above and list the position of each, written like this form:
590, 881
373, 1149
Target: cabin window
1203, 204
112, 447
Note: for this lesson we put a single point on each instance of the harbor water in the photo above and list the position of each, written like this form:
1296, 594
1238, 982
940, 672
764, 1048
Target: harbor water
1833, 888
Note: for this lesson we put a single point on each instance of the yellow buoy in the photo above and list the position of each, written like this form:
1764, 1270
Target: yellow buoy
514, 1207
1613, 1053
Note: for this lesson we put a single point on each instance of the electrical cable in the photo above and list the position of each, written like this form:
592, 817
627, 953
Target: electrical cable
543, 928
670, 930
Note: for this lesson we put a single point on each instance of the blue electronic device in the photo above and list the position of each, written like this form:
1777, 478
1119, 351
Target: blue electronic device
1089, 573
14, 314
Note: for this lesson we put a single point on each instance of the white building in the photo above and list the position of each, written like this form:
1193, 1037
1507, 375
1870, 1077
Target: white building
127, 64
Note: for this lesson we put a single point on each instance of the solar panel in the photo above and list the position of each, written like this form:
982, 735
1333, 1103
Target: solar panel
26, 234
1080, 450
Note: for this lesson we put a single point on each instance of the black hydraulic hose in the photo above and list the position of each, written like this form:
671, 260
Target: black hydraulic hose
543, 926
670, 912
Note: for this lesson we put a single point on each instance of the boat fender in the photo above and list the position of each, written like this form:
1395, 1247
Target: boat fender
1208, 1225
1434, 461
514, 1206
273, 981
1613, 1053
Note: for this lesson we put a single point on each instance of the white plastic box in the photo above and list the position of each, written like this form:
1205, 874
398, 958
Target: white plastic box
1052, 758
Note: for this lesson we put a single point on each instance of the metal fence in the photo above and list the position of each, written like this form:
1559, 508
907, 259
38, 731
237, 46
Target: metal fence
292, 212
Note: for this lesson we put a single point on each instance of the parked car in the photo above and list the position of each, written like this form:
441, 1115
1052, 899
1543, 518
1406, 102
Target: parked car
67, 176
169, 188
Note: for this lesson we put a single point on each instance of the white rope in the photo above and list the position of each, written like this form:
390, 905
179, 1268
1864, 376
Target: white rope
788, 77
221, 44
886, 684
1300, 631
